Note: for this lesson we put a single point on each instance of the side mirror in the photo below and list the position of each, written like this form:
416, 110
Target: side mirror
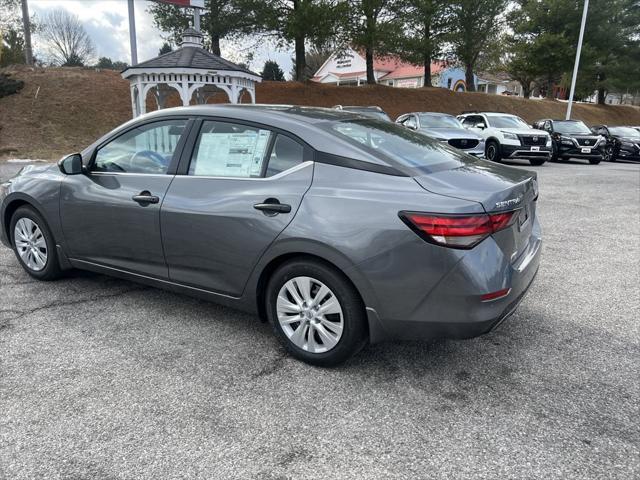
481, 126
71, 165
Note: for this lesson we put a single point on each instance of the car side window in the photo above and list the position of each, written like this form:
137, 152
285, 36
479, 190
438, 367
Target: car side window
146, 149
474, 121
547, 126
411, 122
225, 149
468, 122
286, 154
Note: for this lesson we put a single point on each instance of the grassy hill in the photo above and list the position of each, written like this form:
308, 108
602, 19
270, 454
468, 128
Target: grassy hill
61, 110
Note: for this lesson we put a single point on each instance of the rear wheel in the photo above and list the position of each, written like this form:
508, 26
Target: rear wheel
33, 244
537, 161
315, 312
493, 151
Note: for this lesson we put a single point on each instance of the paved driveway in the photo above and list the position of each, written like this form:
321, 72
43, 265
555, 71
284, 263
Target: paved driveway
101, 378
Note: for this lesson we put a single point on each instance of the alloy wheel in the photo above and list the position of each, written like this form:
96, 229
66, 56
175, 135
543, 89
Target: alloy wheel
310, 314
30, 244
491, 152
608, 154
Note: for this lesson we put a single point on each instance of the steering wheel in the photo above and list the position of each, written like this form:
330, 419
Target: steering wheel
159, 161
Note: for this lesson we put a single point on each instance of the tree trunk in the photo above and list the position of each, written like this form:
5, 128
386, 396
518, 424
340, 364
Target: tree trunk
215, 44
549, 92
371, 78
28, 54
427, 70
602, 95
526, 89
468, 78
301, 61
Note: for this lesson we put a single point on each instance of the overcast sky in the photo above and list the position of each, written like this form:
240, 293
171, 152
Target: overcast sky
106, 21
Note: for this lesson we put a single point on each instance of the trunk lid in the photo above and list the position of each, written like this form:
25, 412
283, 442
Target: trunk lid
497, 188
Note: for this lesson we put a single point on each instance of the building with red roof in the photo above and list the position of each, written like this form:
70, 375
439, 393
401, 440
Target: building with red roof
349, 67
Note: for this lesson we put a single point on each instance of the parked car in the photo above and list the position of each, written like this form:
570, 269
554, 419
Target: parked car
508, 136
286, 212
622, 142
445, 128
573, 139
372, 111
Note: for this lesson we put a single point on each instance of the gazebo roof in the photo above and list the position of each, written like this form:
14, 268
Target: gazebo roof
190, 57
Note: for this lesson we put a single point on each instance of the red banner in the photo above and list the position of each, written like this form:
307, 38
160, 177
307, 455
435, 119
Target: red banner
185, 3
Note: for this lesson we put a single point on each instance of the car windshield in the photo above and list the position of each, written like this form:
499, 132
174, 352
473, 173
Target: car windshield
397, 145
439, 121
571, 128
506, 121
624, 132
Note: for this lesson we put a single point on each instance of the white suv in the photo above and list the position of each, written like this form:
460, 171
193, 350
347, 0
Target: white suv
508, 136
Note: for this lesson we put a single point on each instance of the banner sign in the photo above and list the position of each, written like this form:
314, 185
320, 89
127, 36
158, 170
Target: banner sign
185, 3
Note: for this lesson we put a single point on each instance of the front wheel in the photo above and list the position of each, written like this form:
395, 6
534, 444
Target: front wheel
34, 245
594, 161
316, 312
492, 152
537, 161
609, 154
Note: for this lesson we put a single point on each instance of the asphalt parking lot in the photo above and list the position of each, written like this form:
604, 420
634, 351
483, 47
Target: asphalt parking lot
105, 379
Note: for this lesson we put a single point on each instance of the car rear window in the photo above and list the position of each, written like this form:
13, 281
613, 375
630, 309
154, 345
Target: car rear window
396, 145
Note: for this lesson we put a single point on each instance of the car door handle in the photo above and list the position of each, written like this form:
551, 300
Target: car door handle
272, 206
145, 198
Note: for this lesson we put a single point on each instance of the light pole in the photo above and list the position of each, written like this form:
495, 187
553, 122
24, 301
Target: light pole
132, 33
28, 53
577, 62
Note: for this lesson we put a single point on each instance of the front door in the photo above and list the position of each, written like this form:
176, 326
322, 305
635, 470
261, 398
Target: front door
111, 215
243, 187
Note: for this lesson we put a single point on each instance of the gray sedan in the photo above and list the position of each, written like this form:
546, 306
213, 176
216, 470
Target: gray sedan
337, 228
446, 128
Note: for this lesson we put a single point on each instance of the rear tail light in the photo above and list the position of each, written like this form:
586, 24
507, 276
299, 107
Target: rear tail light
457, 231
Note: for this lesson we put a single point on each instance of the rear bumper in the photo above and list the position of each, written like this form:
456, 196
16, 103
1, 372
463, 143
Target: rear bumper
454, 309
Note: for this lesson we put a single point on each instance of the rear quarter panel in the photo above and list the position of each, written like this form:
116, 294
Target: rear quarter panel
350, 218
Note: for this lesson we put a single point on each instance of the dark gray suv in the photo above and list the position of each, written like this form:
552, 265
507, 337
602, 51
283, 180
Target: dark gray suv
337, 228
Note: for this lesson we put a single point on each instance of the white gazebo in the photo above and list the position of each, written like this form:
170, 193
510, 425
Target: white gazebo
189, 69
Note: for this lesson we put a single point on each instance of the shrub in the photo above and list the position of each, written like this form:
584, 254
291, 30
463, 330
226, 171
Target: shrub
8, 85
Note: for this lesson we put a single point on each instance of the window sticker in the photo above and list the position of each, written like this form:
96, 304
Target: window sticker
236, 154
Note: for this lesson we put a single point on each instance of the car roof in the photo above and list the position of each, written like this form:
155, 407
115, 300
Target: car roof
432, 114
258, 112
358, 107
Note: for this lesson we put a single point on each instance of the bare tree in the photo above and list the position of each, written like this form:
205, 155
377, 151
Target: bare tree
67, 41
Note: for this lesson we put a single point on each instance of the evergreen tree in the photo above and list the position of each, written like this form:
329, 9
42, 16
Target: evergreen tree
272, 71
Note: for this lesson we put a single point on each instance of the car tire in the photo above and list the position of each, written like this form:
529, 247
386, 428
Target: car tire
34, 245
609, 154
294, 309
536, 162
492, 151
594, 161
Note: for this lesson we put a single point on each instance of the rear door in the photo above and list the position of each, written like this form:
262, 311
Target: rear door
240, 186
